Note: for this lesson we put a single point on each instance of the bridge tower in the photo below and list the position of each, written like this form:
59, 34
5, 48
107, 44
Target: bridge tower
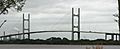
27, 28
76, 26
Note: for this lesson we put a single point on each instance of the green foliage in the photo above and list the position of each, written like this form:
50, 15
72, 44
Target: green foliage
54, 38
58, 40
65, 39
5, 5
116, 15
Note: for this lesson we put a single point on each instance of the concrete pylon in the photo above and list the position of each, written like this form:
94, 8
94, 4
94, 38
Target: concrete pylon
76, 28
28, 26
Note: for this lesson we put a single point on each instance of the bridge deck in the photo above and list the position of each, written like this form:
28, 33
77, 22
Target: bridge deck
55, 31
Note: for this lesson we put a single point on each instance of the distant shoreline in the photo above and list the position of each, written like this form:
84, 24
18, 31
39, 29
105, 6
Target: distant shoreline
44, 42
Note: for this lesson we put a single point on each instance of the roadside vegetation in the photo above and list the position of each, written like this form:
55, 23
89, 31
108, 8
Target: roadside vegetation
58, 40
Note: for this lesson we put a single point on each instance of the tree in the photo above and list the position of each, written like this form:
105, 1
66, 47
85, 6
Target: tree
116, 15
5, 5
65, 39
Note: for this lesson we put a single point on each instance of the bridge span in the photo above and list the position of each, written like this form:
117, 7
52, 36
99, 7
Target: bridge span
55, 31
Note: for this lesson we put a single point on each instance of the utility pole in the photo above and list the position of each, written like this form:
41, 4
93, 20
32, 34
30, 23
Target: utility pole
119, 17
4, 38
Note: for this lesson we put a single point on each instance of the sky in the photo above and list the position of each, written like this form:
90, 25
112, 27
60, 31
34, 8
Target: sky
95, 15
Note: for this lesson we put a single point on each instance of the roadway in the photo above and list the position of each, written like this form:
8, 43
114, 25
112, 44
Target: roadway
55, 31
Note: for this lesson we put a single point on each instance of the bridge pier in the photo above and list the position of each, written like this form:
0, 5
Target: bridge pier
19, 37
72, 36
4, 38
4, 35
9, 37
28, 26
116, 37
76, 24
105, 36
78, 35
112, 36
1, 38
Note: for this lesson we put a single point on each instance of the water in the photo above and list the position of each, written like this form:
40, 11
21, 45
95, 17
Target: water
55, 46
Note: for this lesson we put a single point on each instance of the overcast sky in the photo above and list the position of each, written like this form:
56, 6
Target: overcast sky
96, 15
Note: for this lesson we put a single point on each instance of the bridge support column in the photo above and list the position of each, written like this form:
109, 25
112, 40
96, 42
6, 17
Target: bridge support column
116, 37
1, 38
78, 35
72, 36
28, 26
9, 37
112, 37
4, 38
75, 24
18, 36
119, 36
105, 36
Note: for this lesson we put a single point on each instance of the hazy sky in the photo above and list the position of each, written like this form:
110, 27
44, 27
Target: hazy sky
96, 15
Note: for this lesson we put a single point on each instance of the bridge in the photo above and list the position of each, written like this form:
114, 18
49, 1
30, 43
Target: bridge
106, 33
77, 27
52, 31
